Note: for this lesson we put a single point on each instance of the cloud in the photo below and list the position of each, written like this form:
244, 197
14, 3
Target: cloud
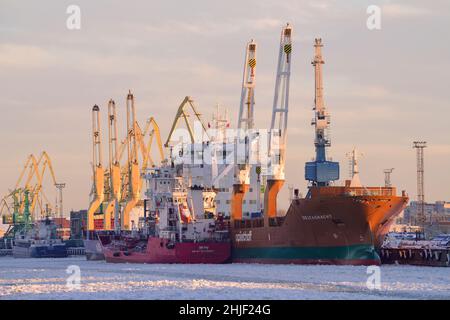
395, 10
23, 56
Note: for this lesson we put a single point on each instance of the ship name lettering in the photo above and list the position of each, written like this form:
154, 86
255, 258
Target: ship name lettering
245, 236
319, 217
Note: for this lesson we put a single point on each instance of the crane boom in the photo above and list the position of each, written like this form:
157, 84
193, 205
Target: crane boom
97, 167
246, 108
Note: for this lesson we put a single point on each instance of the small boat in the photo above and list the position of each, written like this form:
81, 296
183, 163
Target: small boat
39, 240
415, 250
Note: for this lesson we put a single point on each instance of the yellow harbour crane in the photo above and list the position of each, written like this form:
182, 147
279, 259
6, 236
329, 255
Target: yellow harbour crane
134, 172
98, 171
118, 187
29, 192
115, 179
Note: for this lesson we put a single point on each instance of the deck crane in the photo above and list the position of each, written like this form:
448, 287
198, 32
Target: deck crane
97, 168
134, 173
321, 171
115, 179
278, 127
245, 123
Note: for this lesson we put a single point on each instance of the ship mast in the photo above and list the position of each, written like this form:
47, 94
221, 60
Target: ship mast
320, 172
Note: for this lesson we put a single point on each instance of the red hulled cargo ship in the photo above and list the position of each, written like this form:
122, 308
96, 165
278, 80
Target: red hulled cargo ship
171, 231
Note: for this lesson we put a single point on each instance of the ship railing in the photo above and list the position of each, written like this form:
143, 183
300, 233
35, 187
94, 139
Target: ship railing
5, 252
76, 251
372, 191
249, 223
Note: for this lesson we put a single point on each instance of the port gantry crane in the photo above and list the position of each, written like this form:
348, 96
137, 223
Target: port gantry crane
98, 171
278, 128
245, 124
115, 179
321, 171
134, 172
26, 196
121, 184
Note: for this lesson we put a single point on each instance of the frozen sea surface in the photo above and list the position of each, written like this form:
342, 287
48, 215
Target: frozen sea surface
47, 279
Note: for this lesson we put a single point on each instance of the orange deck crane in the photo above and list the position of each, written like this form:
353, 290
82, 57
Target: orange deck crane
278, 126
241, 182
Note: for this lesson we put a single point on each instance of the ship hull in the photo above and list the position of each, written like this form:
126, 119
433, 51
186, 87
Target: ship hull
40, 251
93, 250
333, 228
93, 247
342, 255
162, 251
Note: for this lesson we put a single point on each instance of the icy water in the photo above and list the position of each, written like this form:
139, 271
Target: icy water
48, 279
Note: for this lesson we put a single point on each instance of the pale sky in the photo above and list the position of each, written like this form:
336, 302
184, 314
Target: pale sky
384, 88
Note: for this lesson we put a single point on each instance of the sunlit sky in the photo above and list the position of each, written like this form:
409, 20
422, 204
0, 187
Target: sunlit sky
384, 88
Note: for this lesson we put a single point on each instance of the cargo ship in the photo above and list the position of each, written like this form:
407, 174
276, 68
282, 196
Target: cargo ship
39, 241
176, 227
332, 224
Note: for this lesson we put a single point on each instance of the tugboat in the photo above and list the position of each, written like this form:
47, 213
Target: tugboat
174, 229
39, 240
